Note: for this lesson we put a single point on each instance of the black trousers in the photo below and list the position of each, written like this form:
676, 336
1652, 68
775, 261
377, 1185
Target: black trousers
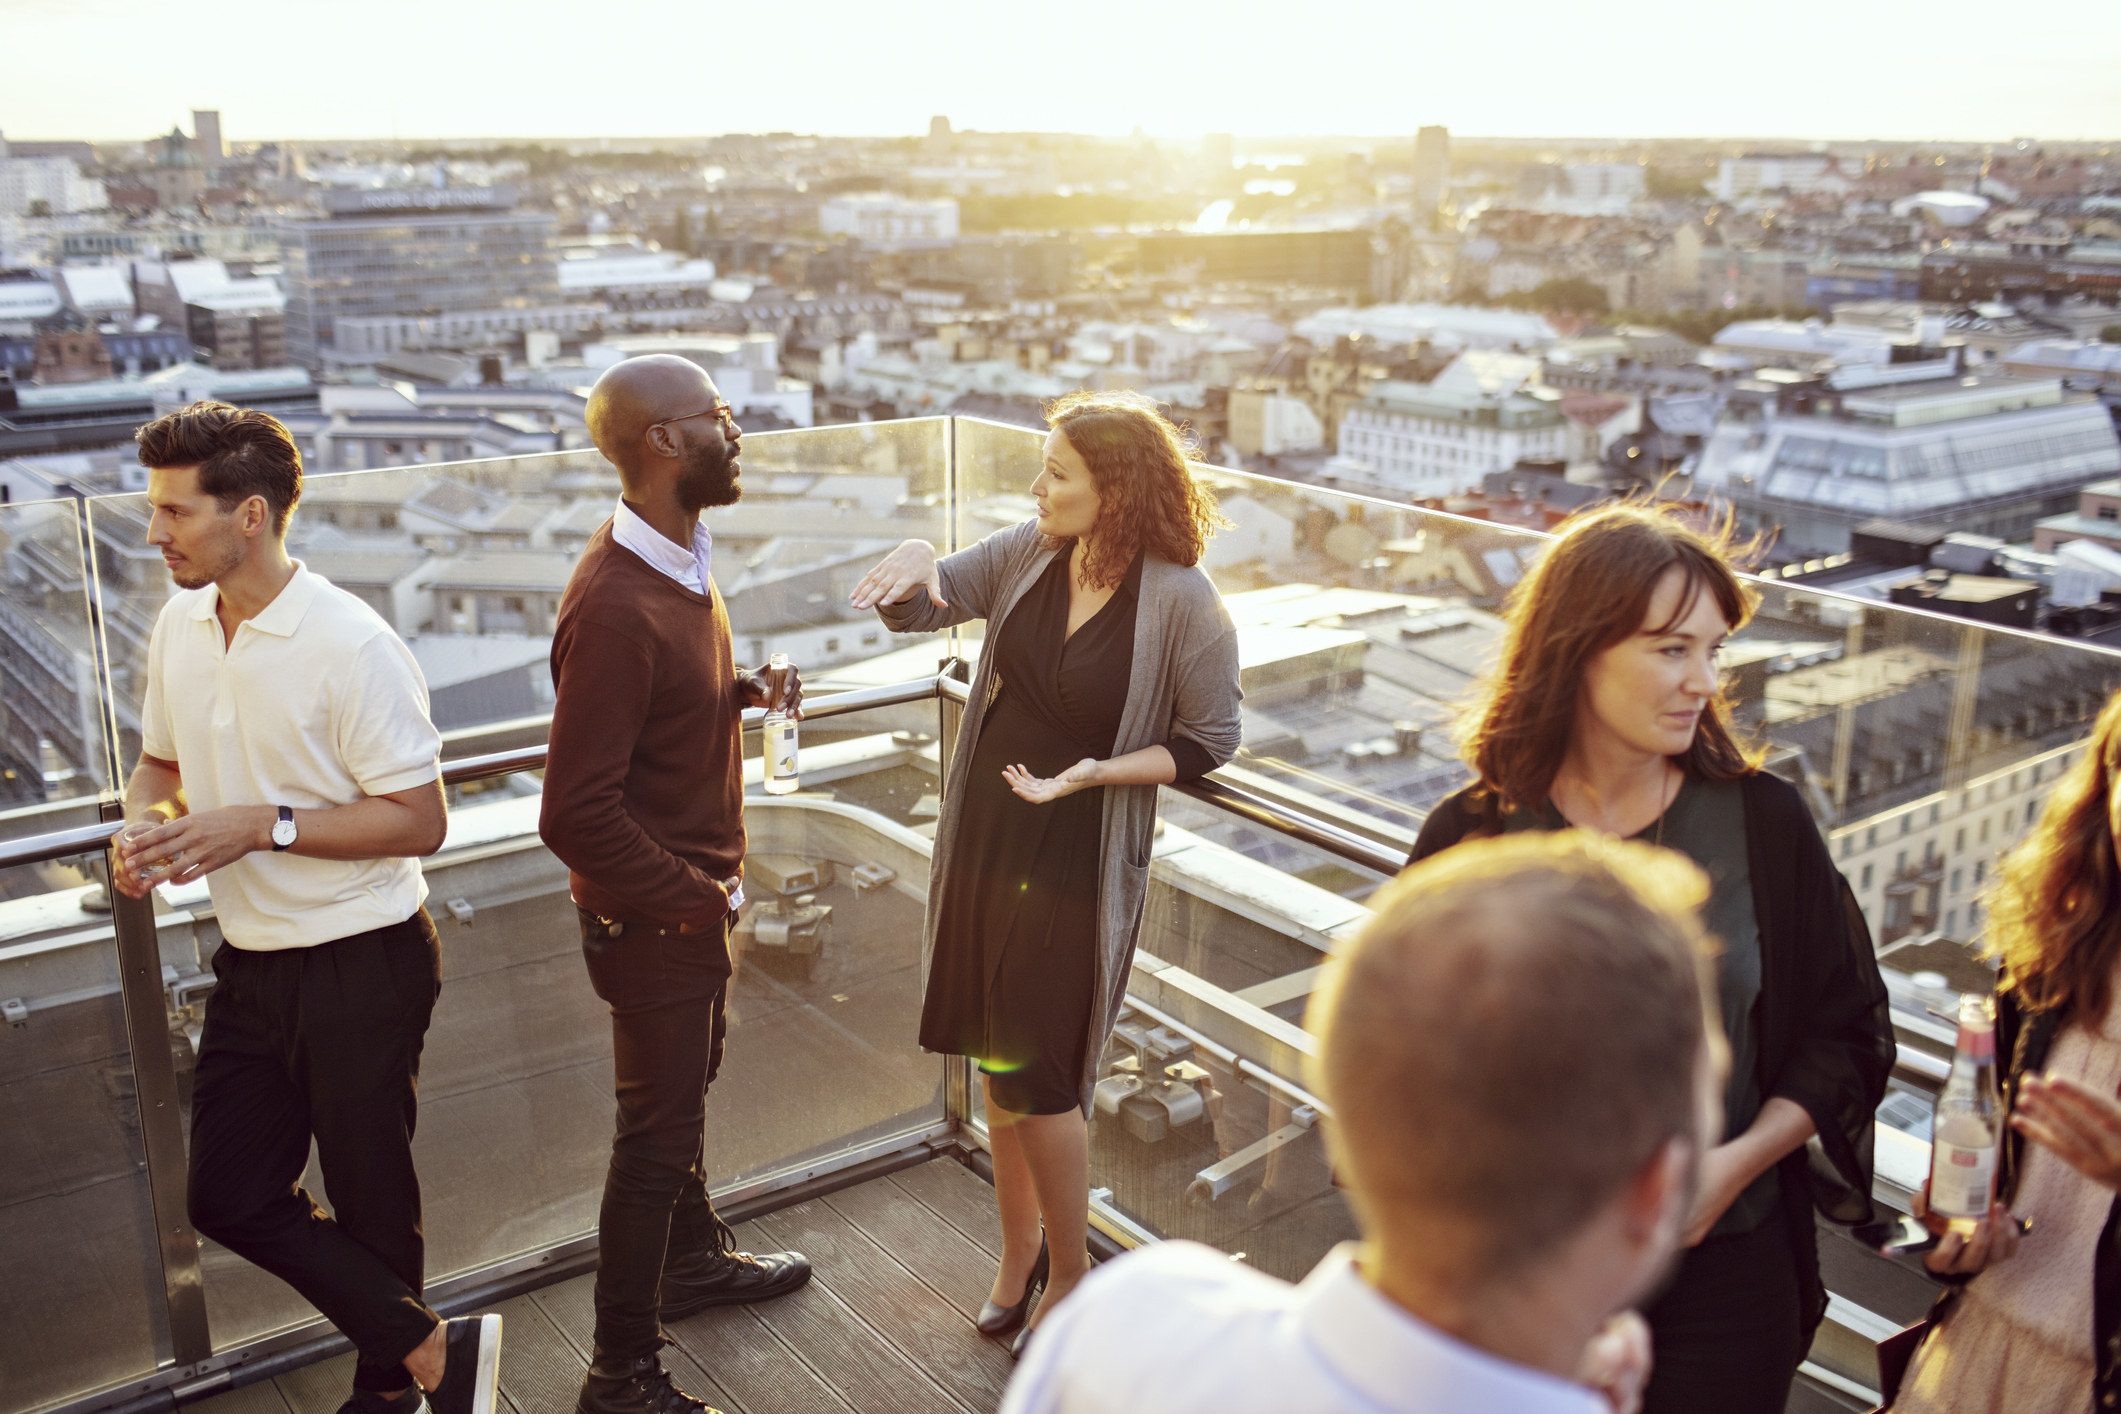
668, 995
1727, 1335
322, 1042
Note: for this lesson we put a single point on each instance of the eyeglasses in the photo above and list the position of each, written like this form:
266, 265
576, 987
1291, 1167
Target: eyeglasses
721, 411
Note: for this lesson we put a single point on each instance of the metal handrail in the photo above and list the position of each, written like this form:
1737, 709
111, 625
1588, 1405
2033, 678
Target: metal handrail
59, 844
1250, 805
1309, 829
89, 839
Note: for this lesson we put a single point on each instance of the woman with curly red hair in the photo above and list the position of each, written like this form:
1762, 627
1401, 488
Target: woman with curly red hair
1109, 668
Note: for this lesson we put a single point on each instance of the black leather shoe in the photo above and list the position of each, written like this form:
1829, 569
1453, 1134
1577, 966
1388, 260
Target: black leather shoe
1000, 1320
1022, 1343
640, 1386
693, 1284
471, 1370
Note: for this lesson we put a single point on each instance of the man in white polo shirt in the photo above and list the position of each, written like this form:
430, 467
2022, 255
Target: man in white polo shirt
287, 759
1521, 1055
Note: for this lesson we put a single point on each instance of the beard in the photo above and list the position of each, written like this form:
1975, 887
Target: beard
214, 559
708, 477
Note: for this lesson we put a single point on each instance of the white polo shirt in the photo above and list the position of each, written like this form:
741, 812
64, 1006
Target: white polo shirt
1179, 1327
314, 703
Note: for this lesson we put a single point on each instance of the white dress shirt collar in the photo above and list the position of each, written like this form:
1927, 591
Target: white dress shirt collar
1402, 1362
689, 568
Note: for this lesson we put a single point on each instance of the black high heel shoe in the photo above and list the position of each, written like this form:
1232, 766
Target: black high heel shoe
1000, 1320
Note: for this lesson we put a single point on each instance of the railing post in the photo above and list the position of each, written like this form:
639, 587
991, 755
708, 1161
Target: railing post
957, 1070
161, 1114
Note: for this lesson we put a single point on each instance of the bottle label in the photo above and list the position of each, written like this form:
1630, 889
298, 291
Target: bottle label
784, 752
1962, 1180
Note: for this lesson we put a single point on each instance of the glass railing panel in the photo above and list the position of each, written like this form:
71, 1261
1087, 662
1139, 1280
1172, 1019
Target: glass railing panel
1203, 1126
81, 1289
467, 561
821, 506
1923, 741
516, 1083
996, 464
55, 753
1926, 744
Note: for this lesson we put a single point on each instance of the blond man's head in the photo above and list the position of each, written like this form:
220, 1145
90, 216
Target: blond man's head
1519, 1030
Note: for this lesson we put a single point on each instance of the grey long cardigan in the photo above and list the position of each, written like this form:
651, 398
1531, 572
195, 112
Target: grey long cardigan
1184, 683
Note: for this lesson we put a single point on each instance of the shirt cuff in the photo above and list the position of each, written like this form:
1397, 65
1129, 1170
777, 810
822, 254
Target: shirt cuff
1192, 758
402, 780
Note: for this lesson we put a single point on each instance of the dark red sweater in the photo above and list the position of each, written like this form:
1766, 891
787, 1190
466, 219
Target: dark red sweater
644, 783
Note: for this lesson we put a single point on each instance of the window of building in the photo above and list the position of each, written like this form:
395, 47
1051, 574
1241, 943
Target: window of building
1906, 822
1984, 832
2032, 811
1955, 879
1980, 871
1870, 837
1959, 840
2109, 513
1866, 878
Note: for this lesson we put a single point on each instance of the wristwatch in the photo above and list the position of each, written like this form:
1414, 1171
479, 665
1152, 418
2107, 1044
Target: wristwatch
283, 830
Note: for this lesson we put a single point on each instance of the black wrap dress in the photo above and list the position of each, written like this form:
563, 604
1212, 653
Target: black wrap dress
1014, 966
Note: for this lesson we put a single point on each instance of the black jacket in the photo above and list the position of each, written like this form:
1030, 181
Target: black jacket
1826, 1035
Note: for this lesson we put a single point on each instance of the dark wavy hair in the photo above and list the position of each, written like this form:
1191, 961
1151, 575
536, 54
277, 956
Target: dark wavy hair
1147, 496
240, 453
2055, 908
1591, 589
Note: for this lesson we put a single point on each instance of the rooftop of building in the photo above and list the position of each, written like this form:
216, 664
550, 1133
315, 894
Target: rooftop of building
1471, 406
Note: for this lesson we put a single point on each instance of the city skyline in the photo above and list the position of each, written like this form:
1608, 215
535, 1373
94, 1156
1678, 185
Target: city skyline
1650, 69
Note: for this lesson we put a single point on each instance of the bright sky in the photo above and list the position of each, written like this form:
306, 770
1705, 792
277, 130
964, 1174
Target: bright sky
1947, 69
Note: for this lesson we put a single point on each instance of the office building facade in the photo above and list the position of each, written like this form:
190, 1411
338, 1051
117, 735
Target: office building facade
1425, 441
413, 251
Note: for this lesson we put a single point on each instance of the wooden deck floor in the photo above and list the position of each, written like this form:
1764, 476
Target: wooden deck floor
885, 1327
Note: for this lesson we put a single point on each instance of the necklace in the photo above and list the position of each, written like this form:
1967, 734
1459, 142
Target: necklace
1659, 839
1668, 784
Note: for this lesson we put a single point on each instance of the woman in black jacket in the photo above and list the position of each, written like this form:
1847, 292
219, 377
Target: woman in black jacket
1606, 713
2041, 1331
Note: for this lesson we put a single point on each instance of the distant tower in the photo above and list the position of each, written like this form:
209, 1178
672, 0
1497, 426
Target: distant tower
939, 129
1432, 164
206, 134
179, 176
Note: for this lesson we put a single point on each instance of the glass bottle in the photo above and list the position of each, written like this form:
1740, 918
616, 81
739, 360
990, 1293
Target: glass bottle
1968, 1123
778, 731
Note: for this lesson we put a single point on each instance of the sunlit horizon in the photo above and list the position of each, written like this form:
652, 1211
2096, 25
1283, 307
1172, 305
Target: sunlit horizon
1645, 70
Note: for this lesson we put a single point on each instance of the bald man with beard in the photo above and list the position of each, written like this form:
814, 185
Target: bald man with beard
644, 804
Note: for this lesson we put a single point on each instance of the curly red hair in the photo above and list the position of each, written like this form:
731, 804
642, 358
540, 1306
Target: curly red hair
1148, 499
2052, 916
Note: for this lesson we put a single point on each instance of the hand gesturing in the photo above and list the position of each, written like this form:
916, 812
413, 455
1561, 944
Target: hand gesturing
1040, 791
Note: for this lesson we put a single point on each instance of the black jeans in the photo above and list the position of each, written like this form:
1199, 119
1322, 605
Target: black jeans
322, 1042
667, 992
1726, 1335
